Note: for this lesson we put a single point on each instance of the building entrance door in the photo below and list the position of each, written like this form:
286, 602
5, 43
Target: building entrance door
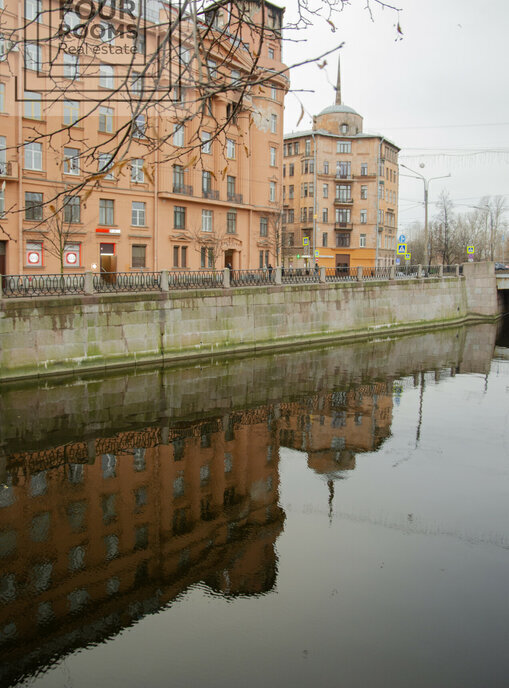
228, 258
108, 262
342, 262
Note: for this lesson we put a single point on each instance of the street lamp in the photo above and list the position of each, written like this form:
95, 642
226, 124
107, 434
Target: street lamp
426, 186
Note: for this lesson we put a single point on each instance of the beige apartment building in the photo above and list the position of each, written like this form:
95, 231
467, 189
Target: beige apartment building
340, 191
133, 183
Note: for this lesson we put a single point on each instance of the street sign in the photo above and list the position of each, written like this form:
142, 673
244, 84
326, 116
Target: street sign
398, 261
317, 253
408, 256
401, 249
470, 249
402, 238
305, 241
470, 259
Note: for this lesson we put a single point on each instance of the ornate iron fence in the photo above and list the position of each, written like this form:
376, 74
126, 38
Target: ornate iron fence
378, 273
127, 281
406, 271
195, 279
300, 275
341, 274
252, 278
42, 285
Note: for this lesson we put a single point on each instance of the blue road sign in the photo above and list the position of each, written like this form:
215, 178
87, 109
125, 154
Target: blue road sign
398, 261
402, 238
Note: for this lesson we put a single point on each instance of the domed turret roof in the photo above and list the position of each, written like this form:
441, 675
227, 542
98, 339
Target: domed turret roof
338, 109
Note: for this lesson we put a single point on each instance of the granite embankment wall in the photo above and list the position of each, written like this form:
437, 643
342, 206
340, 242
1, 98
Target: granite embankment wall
43, 336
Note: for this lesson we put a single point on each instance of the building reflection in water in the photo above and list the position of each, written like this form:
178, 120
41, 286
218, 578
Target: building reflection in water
95, 535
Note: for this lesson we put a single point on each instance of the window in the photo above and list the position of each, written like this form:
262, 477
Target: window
364, 217
264, 226
380, 191
364, 169
71, 66
343, 169
137, 173
272, 156
344, 128
140, 43
304, 190
184, 55
105, 119
325, 190
303, 214
105, 164
108, 465
206, 220
138, 214
342, 240
343, 215
230, 186
2, 202
230, 149
272, 191
72, 209
203, 256
106, 211
2, 97
206, 142
106, 76
34, 258
138, 256
178, 178
139, 126
231, 222
33, 156
291, 216
33, 57
176, 256
324, 239
362, 241
273, 92
311, 189
235, 77
33, 206
343, 192
32, 105
291, 191
206, 182
33, 10
273, 124
325, 215
76, 558
137, 84
71, 161
107, 32
364, 192
183, 256
291, 169
71, 111
178, 135
179, 217
271, 53
296, 148
307, 147
326, 167
343, 147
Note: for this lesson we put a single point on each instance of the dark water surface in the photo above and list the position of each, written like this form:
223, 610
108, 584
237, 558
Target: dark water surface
330, 517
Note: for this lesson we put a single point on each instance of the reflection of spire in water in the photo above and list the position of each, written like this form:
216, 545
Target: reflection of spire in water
330, 485
421, 399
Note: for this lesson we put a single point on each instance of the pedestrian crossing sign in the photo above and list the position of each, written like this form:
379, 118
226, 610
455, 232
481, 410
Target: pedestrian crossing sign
470, 249
305, 241
401, 249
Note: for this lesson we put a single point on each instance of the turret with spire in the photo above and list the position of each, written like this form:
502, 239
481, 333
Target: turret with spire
339, 118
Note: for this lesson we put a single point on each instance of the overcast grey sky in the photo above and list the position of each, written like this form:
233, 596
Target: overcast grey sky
441, 93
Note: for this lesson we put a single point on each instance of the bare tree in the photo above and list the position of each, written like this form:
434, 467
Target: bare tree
59, 232
210, 245
193, 46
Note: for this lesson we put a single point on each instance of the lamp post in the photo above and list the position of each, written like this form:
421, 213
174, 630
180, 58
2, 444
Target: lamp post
426, 196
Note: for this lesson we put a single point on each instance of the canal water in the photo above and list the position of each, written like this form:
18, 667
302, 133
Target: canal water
326, 517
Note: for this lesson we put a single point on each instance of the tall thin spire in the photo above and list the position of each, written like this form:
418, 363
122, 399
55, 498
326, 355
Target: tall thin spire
338, 85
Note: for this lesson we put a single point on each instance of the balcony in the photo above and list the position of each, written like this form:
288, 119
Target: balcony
343, 201
371, 175
341, 226
8, 170
342, 175
235, 198
183, 189
211, 194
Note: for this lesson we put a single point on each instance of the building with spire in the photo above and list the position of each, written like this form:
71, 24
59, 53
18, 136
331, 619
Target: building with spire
340, 192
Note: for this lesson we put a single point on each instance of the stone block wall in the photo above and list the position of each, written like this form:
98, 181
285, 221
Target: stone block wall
42, 336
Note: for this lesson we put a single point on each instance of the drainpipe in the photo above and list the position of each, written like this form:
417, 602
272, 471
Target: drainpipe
315, 193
